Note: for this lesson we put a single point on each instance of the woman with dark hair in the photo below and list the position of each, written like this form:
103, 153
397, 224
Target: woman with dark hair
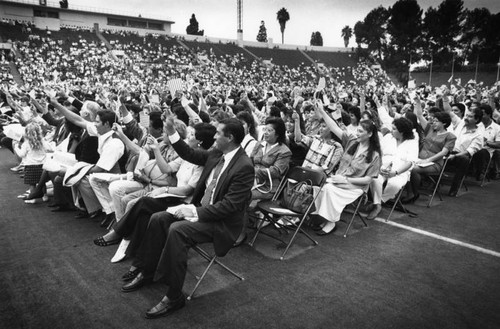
396, 166
299, 150
355, 116
359, 165
372, 116
437, 143
250, 139
271, 158
134, 222
417, 128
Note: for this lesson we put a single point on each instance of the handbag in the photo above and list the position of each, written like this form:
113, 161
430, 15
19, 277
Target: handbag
297, 196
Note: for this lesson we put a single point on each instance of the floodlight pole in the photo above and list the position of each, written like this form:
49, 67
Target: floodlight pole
430, 72
239, 32
453, 65
409, 70
477, 64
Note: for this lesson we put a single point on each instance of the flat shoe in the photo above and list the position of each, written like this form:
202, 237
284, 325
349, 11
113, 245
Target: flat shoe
103, 243
120, 252
317, 228
321, 232
33, 201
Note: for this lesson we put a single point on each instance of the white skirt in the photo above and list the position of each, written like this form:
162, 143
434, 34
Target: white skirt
332, 200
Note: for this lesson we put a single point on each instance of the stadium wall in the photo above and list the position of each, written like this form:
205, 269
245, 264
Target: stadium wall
200, 39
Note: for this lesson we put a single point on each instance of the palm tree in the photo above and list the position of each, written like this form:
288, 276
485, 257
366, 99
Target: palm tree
346, 34
282, 16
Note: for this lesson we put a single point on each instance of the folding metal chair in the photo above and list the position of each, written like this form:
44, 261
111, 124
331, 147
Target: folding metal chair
397, 202
361, 200
487, 171
442, 175
273, 214
211, 260
437, 183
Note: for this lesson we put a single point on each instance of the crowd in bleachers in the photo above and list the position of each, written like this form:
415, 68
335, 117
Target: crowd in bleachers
97, 133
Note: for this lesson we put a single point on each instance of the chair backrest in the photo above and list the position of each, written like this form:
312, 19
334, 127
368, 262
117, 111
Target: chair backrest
300, 174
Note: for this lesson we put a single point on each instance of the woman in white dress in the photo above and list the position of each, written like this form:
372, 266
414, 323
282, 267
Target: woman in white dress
400, 152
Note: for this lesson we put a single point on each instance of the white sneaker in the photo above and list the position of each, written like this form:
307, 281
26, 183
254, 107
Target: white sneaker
45, 198
33, 201
17, 168
120, 252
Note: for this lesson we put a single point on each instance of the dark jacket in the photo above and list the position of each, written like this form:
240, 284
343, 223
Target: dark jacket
231, 196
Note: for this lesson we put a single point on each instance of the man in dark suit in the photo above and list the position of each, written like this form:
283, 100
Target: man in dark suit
216, 214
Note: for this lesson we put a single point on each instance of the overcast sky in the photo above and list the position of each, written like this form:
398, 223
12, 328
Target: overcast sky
218, 17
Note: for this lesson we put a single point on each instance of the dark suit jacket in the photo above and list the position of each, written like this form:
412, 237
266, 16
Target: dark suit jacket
231, 196
60, 127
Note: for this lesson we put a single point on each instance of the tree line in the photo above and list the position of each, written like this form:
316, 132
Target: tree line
446, 35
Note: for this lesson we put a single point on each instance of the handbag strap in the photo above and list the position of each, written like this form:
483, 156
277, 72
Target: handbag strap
258, 188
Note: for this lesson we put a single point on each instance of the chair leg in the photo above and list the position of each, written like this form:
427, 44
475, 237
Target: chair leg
299, 228
436, 190
486, 172
211, 260
398, 198
356, 212
259, 227
201, 278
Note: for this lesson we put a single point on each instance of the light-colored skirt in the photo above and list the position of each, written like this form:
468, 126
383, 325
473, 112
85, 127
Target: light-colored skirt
332, 200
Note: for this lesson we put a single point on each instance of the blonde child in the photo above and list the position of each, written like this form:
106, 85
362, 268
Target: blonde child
33, 151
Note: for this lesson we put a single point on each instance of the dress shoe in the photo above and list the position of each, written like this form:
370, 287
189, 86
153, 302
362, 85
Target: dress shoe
130, 275
53, 205
166, 307
139, 281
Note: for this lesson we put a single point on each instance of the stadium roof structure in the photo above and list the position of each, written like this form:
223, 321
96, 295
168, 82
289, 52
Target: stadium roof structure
51, 14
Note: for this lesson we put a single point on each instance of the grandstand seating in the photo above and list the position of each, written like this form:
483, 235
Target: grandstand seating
148, 55
290, 58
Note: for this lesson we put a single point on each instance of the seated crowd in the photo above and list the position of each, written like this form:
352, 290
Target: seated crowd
209, 150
